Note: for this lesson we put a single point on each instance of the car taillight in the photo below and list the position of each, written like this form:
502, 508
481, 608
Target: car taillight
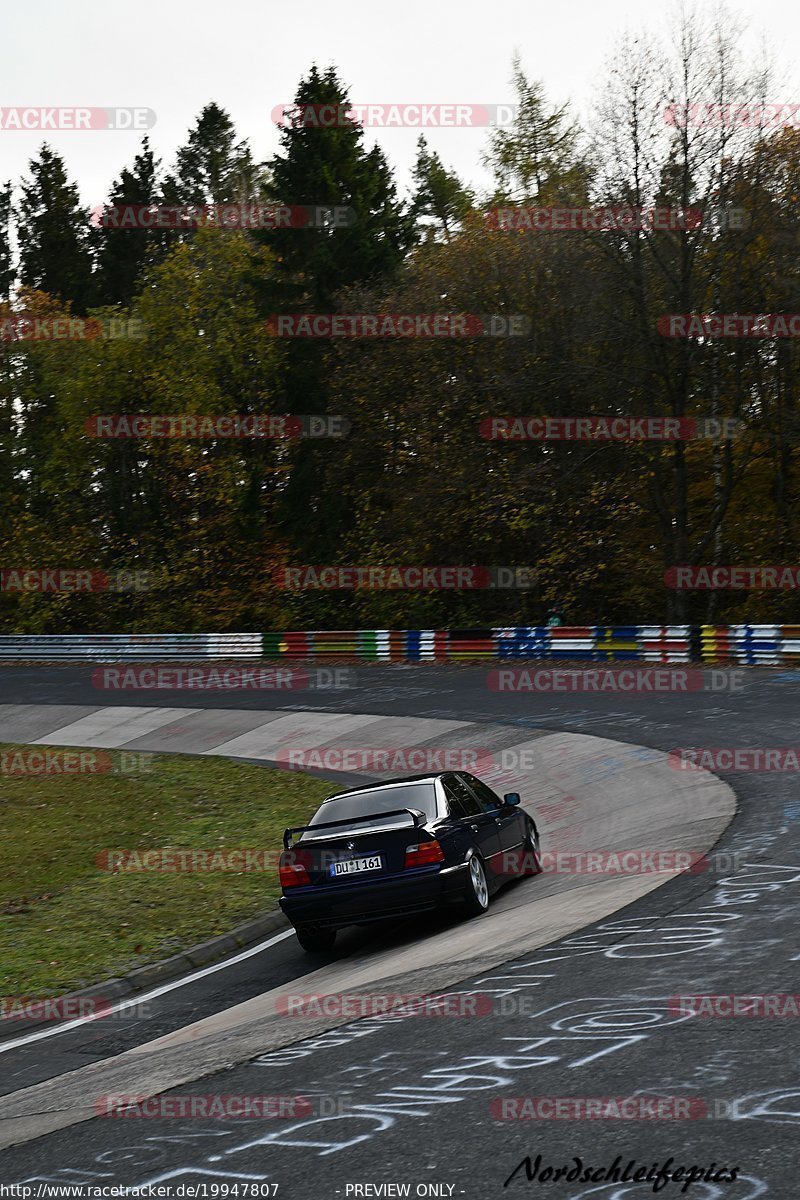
424, 854
293, 868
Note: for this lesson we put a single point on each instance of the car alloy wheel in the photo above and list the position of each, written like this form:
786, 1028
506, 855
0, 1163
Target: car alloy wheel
532, 864
477, 888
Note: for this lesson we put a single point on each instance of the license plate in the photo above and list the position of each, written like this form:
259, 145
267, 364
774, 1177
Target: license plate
355, 866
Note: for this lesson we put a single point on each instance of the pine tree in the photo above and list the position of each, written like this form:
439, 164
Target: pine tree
537, 160
439, 193
329, 166
121, 253
6, 369
213, 168
54, 234
7, 273
326, 166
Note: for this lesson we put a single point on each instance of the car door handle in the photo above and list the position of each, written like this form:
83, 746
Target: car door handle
474, 828
498, 820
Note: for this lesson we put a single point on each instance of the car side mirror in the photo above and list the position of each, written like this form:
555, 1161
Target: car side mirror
512, 798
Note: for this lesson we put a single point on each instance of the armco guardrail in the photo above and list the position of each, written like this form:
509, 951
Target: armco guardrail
767, 644
117, 647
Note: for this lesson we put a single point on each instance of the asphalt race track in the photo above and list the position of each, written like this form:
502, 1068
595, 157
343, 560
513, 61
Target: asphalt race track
432, 1103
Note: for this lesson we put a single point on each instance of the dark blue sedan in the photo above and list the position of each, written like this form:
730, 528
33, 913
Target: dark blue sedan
403, 847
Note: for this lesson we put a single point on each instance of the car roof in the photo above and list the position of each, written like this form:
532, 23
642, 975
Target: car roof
388, 783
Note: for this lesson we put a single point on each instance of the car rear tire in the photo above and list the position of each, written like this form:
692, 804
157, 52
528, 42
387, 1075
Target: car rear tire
316, 941
532, 863
476, 900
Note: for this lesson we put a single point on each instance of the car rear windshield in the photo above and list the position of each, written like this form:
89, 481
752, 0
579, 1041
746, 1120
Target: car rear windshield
374, 801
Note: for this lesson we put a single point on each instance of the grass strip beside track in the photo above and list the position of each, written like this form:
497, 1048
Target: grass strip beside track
66, 923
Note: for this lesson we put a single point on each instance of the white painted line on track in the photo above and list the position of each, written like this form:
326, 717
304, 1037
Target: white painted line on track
140, 999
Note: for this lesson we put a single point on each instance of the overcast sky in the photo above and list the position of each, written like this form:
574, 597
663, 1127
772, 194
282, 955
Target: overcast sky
248, 56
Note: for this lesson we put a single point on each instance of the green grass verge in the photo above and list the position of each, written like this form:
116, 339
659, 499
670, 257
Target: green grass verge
65, 923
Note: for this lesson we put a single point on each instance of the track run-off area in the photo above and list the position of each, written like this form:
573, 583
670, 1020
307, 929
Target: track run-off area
574, 976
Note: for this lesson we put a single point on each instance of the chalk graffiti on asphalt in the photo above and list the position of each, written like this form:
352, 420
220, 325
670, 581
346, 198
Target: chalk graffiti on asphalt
572, 1033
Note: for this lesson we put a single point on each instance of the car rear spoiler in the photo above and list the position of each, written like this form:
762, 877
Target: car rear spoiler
417, 817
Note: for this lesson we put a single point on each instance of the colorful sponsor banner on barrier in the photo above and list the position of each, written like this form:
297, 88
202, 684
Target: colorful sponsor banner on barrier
650, 644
